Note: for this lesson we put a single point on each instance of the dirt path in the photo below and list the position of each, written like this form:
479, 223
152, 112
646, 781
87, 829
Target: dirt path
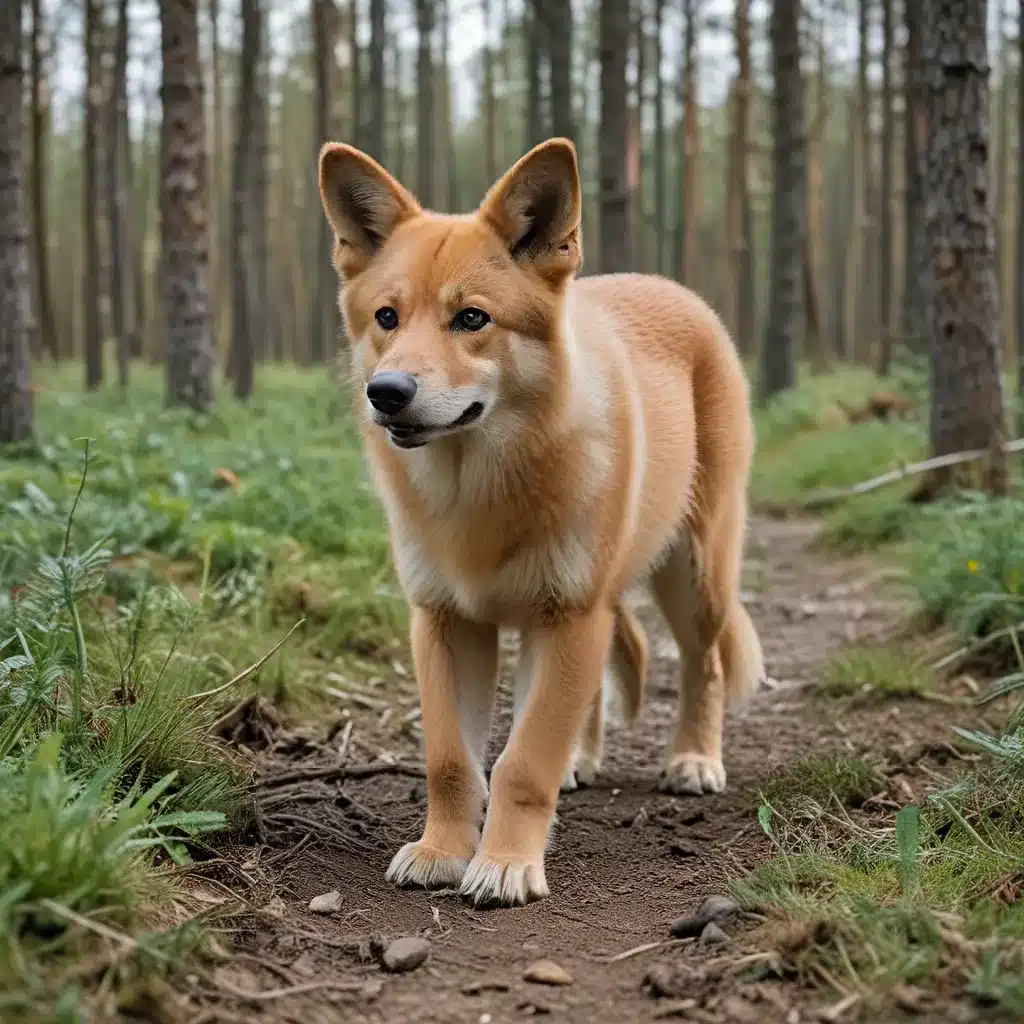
624, 862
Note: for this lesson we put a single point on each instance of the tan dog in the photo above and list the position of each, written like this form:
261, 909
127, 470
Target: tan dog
540, 443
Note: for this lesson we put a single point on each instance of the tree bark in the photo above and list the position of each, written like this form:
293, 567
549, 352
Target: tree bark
638, 200
1002, 190
425, 102
660, 209
866, 317
885, 199
917, 269
1020, 221
967, 396
323, 61
183, 210
373, 133
117, 197
691, 142
789, 202
15, 283
616, 247
356, 65
446, 127
817, 338
559, 40
92, 196
533, 27
490, 104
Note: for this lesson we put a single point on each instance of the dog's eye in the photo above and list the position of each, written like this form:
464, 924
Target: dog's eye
387, 318
471, 319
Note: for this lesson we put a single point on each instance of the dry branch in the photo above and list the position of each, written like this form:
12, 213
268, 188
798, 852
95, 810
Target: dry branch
825, 498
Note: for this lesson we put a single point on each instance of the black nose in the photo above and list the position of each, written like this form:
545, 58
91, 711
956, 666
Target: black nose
390, 391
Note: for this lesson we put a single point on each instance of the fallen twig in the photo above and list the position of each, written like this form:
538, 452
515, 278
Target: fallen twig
246, 672
341, 771
824, 498
647, 947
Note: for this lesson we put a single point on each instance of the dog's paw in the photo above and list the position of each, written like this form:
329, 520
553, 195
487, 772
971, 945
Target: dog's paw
417, 865
582, 773
693, 774
495, 883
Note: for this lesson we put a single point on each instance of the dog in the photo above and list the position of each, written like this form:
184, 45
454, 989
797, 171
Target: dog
540, 442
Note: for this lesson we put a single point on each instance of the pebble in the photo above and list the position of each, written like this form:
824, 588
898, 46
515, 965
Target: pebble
406, 954
326, 903
714, 908
712, 935
547, 972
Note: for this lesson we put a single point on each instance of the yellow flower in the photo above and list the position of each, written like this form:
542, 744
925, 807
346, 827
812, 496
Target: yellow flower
972, 566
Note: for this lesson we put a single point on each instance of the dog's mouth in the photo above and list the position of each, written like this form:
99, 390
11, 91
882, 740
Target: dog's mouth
416, 435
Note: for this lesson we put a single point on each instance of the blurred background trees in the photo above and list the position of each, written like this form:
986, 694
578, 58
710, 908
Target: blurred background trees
775, 156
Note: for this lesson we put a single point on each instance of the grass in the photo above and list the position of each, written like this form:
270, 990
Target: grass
923, 902
882, 672
129, 598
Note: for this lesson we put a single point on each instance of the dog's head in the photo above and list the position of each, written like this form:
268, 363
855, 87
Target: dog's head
453, 320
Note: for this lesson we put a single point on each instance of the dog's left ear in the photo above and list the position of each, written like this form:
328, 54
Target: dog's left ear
536, 209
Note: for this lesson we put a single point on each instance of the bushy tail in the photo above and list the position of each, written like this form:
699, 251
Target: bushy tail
742, 660
628, 662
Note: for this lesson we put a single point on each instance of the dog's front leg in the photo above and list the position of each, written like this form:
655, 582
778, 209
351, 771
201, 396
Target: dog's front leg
456, 666
568, 658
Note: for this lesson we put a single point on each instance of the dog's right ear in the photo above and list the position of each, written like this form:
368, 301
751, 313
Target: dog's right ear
363, 203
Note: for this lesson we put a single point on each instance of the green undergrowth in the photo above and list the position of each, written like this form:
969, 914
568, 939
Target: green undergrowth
201, 560
878, 672
923, 903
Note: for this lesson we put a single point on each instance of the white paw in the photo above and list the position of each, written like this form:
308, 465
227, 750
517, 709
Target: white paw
582, 772
693, 774
493, 883
425, 867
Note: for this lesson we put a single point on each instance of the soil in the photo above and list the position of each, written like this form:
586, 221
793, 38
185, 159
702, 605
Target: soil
624, 860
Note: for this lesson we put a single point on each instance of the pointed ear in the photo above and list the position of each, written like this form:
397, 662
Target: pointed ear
363, 203
536, 206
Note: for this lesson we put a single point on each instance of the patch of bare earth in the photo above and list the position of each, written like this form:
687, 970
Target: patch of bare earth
625, 861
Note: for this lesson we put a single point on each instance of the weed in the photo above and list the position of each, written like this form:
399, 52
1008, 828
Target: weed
821, 778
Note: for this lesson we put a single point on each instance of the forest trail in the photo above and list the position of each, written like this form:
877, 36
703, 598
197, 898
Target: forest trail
625, 860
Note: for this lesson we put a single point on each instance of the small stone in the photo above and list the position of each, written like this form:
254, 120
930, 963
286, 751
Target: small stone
476, 988
403, 955
326, 903
714, 908
641, 819
712, 935
547, 972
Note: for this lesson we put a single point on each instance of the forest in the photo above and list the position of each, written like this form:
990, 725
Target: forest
211, 741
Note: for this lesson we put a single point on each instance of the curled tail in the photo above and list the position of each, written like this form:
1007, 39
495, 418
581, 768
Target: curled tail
742, 660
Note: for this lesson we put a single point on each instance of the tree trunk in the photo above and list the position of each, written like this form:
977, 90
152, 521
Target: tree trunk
92, 194
446, 128
616, 248
638, 201
559, 40
967, 396
885, 199
817, 339
356, 64
691, 142
739, 214
789, 202
490, 104
373, 134
245, 280
425, 102
660, 209
1002, 200
183, 213
117, 197
266, 310
323, 61
47, 332
1019, 276
865, 317
534, 29
917, 269
15, 284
